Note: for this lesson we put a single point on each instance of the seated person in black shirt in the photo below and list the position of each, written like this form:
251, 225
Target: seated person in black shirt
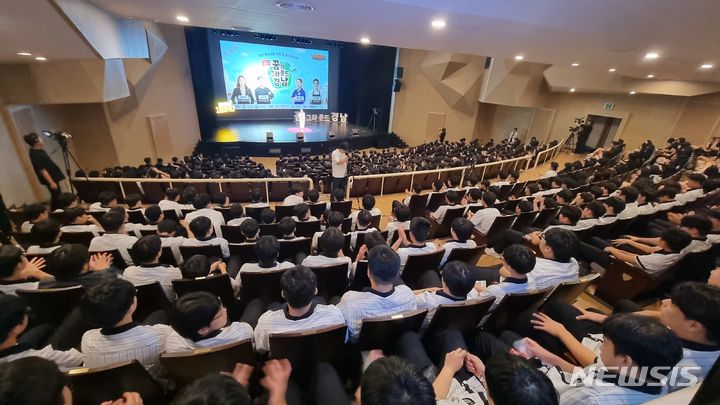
70, 266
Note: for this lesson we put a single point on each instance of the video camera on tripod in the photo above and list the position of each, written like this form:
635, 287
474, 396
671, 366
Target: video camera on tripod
60, 137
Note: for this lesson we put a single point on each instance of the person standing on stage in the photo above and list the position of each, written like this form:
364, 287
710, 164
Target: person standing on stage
47, 172
339, 166
298, 95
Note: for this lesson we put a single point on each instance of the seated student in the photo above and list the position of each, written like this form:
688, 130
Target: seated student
250, 230
187, 196
78, 220
361, 224
133, 203
236, 213
383, 297
313, 197
170, 202
299, 287
484, 217
267, 250
613, 207
334, 220
457, 282
106, 200
66, 201
437, 187
168, 230
372, 239
47, 236
267, 216
417, 190
70, 266
473, 198
697, 226
153, 215
286, 227
13, 322
34, 213
692, 188
524, 206
302, 213
582, 198
330, 253
113, 223
418, 244
202, 229
18, 273
518, 261
256, 199
629, 195
221, 199
368, 204
400, 217
591, 214
652, 259
503, 179
110, 305
296, 195
203, 208
666, 199
552, 172
146, 253
452, 199
201, 321
461, 234
564, 197
337, 195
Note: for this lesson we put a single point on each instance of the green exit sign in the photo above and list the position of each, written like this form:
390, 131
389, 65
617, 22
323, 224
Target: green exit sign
609, 106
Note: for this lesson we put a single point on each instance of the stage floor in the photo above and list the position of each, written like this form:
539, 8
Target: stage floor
284, 131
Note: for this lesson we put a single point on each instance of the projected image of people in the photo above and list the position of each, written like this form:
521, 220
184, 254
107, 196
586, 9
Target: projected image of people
242, 94
298, 95
263, 94
316, 95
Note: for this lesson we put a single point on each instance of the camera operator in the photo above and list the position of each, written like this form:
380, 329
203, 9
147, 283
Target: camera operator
47, 172
583, 131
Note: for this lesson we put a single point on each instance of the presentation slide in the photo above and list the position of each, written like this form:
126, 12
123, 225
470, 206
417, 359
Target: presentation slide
271, 77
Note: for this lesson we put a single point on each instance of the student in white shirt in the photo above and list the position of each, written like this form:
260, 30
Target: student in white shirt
203, 208
452, 199
613, 207
256, 201
296, 195
170, 202
34, 213
484, 217
201, 321
457, 283
417, 190
518, 261
503, 179
71, 266
331, 244
693, 188
629, 194
111, 305
400, 217
552, 172
146, 252
250, 230
368, 204
47, 235
267, 250
153, 215
418, 244
286, 227
361, 225
113, 223
13, 322
302, 213
461, 234
382, 298
17, 273
473, 198
591, 214
335, 220
202, 229
299, 287
106, 200
80, 221
267, 216
236, 215
654, 259
167, 230
558, 246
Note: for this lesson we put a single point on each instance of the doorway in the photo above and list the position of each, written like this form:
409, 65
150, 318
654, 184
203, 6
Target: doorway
604, 130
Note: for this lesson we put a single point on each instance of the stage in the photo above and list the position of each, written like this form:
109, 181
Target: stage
249, 138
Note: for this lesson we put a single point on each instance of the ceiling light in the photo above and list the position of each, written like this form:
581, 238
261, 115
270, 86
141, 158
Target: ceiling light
519, 57
575, 65
41, 58
652, 55
295, 5
182, 18
651, 76
438, 24
632, 92
612, 70
572, 90
703, 66
24, 53
365, 40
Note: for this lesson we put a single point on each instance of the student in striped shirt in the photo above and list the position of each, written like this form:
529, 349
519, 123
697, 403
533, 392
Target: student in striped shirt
518, 261
383, 297
368, 204
457, 283
331, 242
202, 229
461, 234
652, 259
111, 306
146, 252
201, 321
78, 220
35, 213
334, 220
267, 250
418, 244
302, 213
17, 273
361, 224
299, 287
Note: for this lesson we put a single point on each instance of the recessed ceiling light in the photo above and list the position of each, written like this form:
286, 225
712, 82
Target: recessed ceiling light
632, 92
652, 55
651, 76
365, 40
612, 70
519, 57
24, 53
703, 66
438, 24
295, 5
575, 65
572, 90
182, 18
41, 58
